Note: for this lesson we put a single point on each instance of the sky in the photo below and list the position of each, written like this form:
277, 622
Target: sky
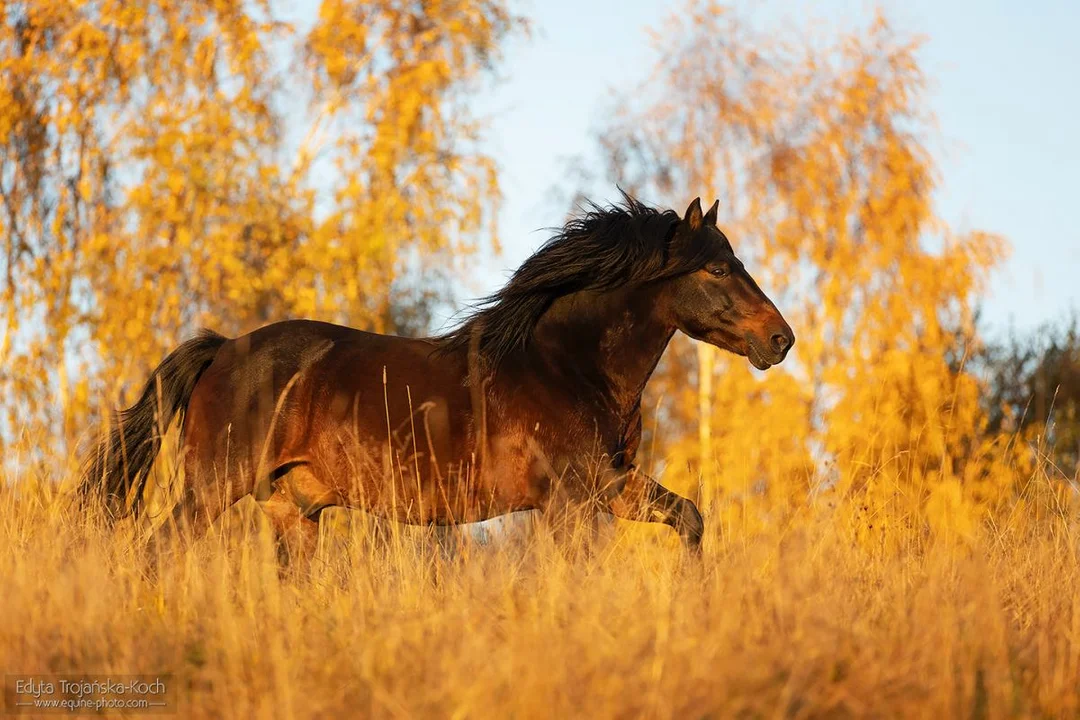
1004, 88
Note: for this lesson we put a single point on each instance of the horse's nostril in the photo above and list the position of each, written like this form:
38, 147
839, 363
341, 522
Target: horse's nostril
781, 342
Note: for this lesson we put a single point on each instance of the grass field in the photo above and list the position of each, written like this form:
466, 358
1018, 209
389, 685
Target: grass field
806, 619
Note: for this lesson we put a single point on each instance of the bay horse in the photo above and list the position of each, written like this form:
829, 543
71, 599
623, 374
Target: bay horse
540, 387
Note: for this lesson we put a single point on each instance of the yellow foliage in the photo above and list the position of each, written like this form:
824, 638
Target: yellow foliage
166, 165
870, 549
949, 512
817, 152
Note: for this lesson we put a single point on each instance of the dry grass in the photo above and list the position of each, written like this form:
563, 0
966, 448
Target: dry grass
801, 621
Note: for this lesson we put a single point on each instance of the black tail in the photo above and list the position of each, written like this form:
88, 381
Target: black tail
122, 461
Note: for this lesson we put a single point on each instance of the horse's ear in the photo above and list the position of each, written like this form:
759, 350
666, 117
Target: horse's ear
693, 215
710, 217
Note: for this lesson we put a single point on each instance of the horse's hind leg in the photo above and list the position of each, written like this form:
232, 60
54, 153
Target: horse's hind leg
205, 496
197, 508
293, 510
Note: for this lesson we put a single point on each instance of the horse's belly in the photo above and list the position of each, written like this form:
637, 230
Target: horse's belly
408, 479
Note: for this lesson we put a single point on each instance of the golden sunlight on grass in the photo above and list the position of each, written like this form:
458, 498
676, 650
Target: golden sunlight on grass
890, 508
798, 621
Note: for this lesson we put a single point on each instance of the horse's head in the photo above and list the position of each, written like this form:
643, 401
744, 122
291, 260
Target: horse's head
720, 303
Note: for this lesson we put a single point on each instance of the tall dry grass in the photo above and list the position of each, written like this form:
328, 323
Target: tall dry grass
805, 619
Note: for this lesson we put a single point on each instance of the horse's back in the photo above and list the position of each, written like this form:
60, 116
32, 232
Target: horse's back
276, 353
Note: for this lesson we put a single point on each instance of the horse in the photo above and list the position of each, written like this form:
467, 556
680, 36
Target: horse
536, 395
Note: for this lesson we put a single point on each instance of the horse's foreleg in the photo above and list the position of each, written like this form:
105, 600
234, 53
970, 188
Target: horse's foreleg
642, 499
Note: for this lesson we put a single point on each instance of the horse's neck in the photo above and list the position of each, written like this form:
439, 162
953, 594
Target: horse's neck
607, 344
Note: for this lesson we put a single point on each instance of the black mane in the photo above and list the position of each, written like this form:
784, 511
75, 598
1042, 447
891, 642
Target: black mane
601, 249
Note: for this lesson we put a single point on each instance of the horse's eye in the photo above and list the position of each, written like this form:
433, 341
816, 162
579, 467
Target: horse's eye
719, 271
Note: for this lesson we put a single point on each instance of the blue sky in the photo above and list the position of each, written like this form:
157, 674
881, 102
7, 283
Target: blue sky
1005, 81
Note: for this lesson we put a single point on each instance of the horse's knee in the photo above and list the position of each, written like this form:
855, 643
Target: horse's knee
297, 485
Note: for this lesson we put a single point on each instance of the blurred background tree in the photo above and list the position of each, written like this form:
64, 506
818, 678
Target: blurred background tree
167, 165
816, 147
1032, 385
